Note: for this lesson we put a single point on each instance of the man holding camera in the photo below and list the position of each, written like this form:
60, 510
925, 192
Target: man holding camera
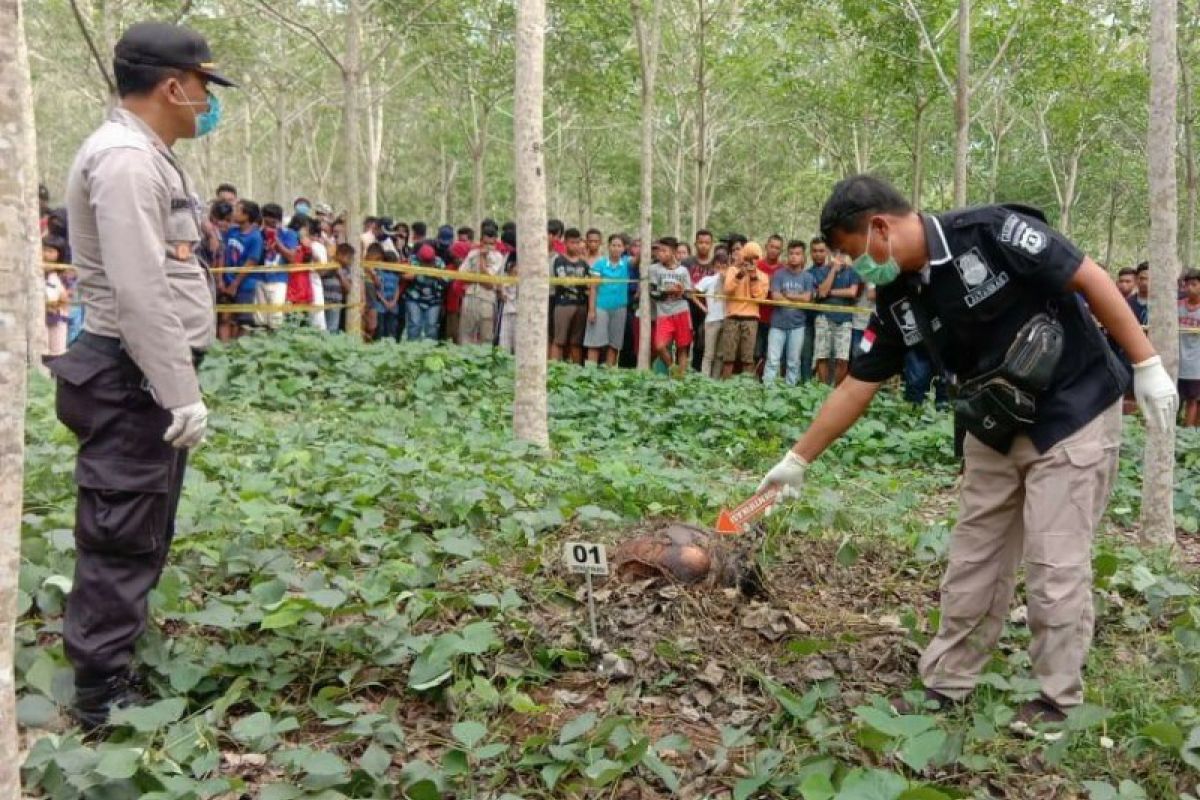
993, 295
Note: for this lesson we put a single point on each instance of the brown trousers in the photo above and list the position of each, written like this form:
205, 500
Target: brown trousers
1043, 509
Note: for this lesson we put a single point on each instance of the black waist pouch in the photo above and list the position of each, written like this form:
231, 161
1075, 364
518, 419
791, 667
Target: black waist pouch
996, 405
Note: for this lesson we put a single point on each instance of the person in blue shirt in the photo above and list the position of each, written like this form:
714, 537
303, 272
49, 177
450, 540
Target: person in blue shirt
279, 247
243, 248
608, 304
785, 338
388, 307
423, 297
837, 284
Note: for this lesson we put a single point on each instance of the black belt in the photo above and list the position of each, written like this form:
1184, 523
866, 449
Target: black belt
112, 346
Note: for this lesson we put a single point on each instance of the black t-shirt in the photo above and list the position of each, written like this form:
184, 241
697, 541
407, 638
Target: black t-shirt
990, 270
564, 267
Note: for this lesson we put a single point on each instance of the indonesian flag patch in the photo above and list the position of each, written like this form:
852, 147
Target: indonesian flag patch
868, 339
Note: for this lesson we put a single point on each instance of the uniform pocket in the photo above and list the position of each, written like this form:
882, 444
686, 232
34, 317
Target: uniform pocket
123, 505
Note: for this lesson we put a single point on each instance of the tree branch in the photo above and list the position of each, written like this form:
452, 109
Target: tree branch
300, 27
183, 10
87, 37
928, 44
990, 68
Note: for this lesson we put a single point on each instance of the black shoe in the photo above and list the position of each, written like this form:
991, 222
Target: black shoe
933, 701
1033, 717
96, 698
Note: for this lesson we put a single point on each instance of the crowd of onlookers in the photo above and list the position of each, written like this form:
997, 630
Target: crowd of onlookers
718, 306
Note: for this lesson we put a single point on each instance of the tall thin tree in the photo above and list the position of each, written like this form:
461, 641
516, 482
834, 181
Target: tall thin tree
18, 245
646, 26
529, 401
1158, 518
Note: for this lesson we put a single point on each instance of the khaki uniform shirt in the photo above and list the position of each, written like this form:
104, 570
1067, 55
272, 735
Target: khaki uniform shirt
135, 224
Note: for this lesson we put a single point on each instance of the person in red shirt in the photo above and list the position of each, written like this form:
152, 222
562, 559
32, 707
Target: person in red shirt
456, 292
555, 228
769, 263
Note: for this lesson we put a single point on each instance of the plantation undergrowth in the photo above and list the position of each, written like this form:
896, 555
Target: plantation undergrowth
365, 599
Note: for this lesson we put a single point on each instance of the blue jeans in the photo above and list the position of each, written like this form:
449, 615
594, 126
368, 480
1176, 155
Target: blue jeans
333, 319
389, 324
806, 351
918, 377
422, 321
788, 346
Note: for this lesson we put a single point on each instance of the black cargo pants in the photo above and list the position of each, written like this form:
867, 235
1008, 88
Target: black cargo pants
129, 482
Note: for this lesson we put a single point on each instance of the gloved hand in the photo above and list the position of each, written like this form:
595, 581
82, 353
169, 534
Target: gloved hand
1155, 392
188, 424
788, 475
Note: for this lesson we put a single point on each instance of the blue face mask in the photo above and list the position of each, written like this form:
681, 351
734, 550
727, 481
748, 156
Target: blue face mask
303, 209
206, 121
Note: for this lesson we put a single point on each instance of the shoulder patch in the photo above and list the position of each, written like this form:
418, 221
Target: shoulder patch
1018, 233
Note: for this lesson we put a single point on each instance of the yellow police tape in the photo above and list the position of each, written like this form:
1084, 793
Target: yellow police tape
495, 280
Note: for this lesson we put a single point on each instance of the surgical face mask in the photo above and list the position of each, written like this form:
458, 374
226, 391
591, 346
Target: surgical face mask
873, 271
303, 209
206, 121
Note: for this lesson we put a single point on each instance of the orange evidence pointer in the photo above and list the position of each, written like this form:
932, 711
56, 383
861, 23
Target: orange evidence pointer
734, 522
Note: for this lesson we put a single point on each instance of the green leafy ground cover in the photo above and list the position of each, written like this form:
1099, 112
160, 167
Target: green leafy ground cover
365, 599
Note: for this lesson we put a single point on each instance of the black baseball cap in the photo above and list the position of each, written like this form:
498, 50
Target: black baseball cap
160, 44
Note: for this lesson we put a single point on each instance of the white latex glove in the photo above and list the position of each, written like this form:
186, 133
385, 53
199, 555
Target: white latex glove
788, 475
1155, 392
188, 424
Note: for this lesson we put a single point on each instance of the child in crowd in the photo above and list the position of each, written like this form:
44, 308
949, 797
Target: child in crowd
58, 298
1189, 349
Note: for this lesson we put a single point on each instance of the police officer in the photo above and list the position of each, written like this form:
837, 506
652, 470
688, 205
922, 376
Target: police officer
128, 387
1001, 303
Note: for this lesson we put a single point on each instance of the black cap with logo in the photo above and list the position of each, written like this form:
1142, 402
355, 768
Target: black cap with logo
159, 44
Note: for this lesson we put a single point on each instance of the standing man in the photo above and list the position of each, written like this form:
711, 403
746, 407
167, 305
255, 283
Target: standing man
699, 267
592, 240
128, 388
1044, 420
1127, 281
671, 288
477, 323
1139, 301
768, 265
785, 340
837, 285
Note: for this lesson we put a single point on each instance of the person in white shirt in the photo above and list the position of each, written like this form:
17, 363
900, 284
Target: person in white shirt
711, 287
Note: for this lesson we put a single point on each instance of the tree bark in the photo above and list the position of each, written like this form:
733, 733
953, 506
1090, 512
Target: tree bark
962, 103
647, 40
247, 187
281, 162
918, 149
529, 401
1112, 226
700, 212
1158, 519
479, 170
1189, 163
35, 324
374, 145
18, 243
350, 79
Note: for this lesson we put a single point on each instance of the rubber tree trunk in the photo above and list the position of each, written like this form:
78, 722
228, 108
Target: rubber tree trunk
962, 104
529, 400
699, 213
647, 39
18, 243
1158, 519
35, 323
1189, 164
350, 80
918, 149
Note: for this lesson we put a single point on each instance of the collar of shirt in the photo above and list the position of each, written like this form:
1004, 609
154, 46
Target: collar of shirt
123, 116
935, 241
